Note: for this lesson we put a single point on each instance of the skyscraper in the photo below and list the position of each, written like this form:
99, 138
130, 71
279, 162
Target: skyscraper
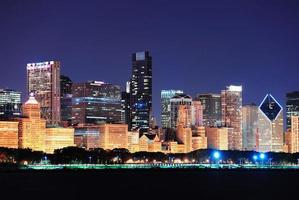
10, 104
43, 79
166, 95
141, 91
231, 107
66, 98
270, 125
196, 114
292, 106
175, 103
125, 106
96, 102
250, 127
211, 105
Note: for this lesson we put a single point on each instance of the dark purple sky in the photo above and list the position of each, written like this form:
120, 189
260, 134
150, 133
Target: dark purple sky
197, 46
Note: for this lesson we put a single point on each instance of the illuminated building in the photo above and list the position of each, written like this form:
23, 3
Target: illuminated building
166, 95
87, 137
292, 106
250, 127
125, 106
141, 91
173, 147
231, 110
66, 99
196, 114
270, 125
150, 143
58, 138
217, 138
9, 134
199, 139
43, 79
292, 136
96, 102
211, 105
133, 141
10, 104
32, 128
113, 136
177, 101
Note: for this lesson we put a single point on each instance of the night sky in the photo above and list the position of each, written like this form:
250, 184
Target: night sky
197, 46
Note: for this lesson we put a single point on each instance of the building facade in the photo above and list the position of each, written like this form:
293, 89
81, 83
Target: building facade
141, 91
10, 104
113, 136
166, 95
43, 79
9, 134
183, 101
292, 106
66, 99
58, 138
217, 138
250, 127
270, 125
211, 105
96, 102
231, 110
87, 137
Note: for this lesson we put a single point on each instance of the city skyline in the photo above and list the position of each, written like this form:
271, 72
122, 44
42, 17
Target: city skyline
190, 41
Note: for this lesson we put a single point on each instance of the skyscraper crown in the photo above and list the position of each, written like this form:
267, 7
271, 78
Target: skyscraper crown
270, 107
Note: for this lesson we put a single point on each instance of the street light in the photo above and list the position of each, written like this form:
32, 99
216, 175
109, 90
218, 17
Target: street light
262, 157
216, 156
255, 158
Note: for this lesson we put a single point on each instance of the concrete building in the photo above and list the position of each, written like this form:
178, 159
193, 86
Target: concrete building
9, 134
87, 137
176, 102
58, 138
199, 139
133, 141
292, 106
250, 127
32, 128
43, 79
231, 109
196, 114
217, 138
113, 136
292, 136
270, 125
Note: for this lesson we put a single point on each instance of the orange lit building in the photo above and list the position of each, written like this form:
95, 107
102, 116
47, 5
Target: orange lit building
199, 139
57, 138
292, 136
150, 143
133, 141
217, 138
9, 134
32, 129
113, 136
87, 137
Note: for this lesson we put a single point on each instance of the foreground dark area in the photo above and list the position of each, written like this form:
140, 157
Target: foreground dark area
150, 184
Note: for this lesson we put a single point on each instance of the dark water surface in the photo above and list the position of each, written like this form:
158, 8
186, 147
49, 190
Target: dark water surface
150, 184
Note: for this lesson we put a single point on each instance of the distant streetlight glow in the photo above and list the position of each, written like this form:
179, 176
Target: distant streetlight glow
216, 155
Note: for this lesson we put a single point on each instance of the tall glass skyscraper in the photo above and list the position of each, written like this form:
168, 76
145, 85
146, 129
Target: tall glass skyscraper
250, 127
166, 95
66, 98
270, 125
10, 104
231, 104
141, 91
292, 106
211, 105
43, 79
96, 102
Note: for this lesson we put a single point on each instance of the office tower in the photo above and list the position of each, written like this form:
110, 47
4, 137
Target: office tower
66, 99
270, 125
113, 136
141, 91
58, 138
196, 114
292, 135
125, 106
32, 128
231, 109
217, 138
166, 95
9, 134
177, 101
292, 106
211, 105
250, 127
10, 104
96, 102
43, 79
